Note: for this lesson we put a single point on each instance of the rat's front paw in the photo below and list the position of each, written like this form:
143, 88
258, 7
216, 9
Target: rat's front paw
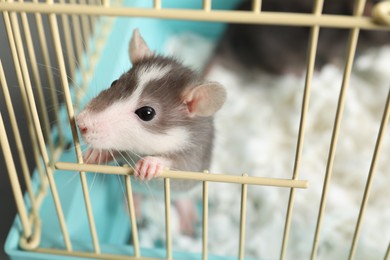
150, 167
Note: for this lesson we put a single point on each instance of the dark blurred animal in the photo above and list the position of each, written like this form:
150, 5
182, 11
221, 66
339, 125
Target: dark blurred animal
283, 49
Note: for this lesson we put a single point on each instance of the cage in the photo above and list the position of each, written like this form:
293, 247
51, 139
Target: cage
60, 53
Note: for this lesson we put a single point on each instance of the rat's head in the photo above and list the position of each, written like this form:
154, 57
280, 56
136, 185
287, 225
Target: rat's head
151, 108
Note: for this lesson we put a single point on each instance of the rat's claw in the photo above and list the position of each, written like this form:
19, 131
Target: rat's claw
150, 167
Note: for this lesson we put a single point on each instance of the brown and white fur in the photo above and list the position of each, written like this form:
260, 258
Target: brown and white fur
179, 136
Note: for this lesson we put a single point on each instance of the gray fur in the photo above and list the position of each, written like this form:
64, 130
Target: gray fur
166, 95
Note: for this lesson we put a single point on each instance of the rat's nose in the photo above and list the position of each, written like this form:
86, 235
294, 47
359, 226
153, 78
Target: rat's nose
83, 129
80, 122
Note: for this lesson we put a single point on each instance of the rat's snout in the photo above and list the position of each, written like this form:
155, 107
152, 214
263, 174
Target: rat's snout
80, 122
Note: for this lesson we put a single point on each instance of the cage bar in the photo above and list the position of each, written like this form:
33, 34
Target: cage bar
22, 211
378, 145
205, 224
69, 44
37, 79
256, 6
157, 4
33, 137
244, 191
168, 230
133, 221
69, 107
18, 142
336, 127
311, 58
49, 72
187, 175
274, 18
387, 255
38, 130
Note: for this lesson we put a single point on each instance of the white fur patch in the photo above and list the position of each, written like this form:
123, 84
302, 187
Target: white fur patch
119, 128
148, 74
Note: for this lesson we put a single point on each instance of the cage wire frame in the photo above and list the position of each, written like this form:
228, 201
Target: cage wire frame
46, 151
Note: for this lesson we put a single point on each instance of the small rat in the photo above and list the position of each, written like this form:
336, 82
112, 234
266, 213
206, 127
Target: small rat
283, 49
160, 110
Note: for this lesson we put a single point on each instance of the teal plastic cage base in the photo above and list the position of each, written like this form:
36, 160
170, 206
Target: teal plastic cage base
112, 221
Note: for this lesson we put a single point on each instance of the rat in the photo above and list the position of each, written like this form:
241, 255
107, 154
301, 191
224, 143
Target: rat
283, 49
159, 109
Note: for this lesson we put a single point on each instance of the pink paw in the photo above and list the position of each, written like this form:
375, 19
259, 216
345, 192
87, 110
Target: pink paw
97, 156
150, 167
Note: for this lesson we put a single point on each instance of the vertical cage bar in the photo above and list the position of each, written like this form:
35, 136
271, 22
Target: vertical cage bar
167, 193
69, 107
387, 255
244, 191
15, 185
205, 219
377, 150
41, 142
18, 141
49, 72
133, 220
31, 129
86, 32
336, 127
207, 5
313, 43
157, 4
256, 6
68, 44
106, 3
37, 79
78, 38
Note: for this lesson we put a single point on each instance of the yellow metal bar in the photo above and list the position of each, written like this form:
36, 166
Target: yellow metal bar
244, 191
157, 4
49, 72
68, 44
77, 37
387, 255
68, 102
273, 18
133, 220
32, 242
168, 229
18, 141
207, 5
13, 177
37, 126
336, 127
31, 130
90, 255
256, 6
85, 27
37, 80
311, 57
186, 175
378, 145
205, 219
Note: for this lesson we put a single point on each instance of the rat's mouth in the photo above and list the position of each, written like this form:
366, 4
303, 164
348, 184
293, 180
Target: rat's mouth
98, 156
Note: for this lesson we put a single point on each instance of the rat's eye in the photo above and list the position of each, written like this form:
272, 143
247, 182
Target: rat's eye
145, 113
114, 82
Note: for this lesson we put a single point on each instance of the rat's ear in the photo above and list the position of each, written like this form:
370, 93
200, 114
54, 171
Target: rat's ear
205, 99
138, 49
